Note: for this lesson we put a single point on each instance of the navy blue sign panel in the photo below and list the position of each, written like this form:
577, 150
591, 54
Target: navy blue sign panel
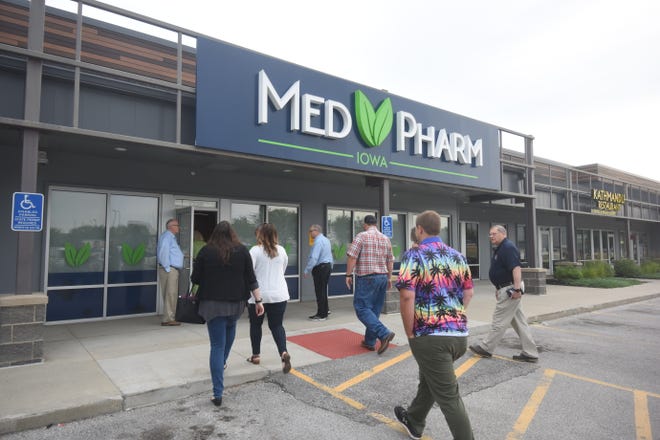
386, 226
27, 212
259, 105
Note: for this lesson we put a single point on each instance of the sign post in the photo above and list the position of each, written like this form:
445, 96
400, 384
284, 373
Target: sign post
27, 212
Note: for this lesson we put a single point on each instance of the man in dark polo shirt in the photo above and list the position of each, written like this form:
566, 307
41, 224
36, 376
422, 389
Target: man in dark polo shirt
506, 275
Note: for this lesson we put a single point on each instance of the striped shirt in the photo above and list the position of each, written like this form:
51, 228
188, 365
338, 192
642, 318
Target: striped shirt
373, 252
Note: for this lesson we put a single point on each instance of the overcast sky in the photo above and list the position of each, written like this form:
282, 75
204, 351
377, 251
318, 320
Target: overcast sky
581, 76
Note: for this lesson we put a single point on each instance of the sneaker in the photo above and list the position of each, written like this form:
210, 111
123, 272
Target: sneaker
385, 342
522, 357
476, 349
402, 416
318, 318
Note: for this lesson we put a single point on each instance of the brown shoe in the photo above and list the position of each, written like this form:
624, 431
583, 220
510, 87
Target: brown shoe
286, 362
170, 323
363, 344
385, 342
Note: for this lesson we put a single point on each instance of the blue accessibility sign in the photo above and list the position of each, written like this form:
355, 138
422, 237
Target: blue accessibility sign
386, 225
27, 213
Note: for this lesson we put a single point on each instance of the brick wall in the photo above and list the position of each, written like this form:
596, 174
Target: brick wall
22, 320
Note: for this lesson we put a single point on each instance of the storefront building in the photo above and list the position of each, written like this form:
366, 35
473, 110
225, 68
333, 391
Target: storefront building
120, 131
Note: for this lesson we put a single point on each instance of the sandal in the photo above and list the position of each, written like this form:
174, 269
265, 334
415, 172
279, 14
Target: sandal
254, 359
286, 360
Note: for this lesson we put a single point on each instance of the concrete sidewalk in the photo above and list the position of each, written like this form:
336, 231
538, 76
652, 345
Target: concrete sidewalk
104, 367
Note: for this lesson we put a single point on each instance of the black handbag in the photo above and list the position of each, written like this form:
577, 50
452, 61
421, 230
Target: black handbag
187, 308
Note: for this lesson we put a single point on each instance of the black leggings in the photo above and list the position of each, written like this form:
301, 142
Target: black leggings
275, 314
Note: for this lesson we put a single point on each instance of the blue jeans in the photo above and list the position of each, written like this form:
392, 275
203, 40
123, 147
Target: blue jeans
222, 331
275, 314
368, 301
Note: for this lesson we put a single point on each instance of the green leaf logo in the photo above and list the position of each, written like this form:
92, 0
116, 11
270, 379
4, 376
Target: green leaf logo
132, 256
338, 251
374, 126
76, 257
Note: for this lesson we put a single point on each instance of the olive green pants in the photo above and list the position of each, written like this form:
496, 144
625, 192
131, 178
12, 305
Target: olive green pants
435, 356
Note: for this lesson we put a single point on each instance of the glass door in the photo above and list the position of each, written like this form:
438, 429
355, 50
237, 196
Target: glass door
470, 246
545, 249
185, 217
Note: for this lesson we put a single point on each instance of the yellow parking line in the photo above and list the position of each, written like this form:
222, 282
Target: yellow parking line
642, 419
528, 413
606, 384
354, 403
469, 363
375, 370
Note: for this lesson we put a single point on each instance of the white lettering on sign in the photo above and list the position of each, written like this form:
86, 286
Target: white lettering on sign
453, 148
316, 116
309, 105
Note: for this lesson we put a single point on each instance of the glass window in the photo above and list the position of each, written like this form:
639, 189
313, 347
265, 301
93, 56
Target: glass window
244, 219
285, 219
133, 239
339, 233
358, 221
472, 247
521, 242
399, 237
76, 249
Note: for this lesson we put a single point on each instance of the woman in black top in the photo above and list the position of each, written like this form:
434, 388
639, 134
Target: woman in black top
223, 269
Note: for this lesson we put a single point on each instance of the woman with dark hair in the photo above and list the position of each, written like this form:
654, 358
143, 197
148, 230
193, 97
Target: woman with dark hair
223, 269
270, 261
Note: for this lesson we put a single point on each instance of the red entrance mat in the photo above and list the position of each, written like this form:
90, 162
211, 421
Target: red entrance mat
335, 344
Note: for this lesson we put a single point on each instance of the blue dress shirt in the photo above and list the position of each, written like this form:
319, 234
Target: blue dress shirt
169, 252
321, 253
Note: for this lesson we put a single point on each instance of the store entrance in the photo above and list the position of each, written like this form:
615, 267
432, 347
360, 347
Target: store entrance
196, 226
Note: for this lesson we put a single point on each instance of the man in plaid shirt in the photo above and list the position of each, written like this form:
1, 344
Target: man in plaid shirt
370, 256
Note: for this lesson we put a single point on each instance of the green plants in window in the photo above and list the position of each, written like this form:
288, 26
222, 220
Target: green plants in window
338, 251
132, 256
374, 125
76, 257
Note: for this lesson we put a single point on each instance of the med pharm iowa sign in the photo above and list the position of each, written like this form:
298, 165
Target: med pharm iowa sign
259, 105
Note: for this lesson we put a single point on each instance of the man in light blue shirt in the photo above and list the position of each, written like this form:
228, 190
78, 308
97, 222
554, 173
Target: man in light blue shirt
320, 265
170, 262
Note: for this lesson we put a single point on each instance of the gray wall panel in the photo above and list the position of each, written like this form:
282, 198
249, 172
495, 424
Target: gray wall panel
12, 90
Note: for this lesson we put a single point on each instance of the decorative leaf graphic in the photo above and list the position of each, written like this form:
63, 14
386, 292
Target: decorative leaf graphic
365, 117
132, 256
383, 123
76, 257
83, 254
126, 253
338, 251
374, 126
70, 254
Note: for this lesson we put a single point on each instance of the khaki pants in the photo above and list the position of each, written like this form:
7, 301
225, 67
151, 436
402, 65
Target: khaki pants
509, 312
169, 288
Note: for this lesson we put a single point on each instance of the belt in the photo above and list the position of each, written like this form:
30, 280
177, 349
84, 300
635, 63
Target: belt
322, 264
172, 267
503, 285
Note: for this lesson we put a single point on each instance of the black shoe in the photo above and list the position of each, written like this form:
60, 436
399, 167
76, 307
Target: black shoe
367, 346
476, 349
318, 318
217, 401
522, 357
312, 317
385, 342
402, 416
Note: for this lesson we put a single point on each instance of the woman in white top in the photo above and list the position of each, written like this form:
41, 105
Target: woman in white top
270, 261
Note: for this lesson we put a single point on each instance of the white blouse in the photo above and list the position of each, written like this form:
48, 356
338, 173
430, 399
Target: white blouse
270, 274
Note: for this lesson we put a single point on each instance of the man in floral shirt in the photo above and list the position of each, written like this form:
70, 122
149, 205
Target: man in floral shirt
436, 287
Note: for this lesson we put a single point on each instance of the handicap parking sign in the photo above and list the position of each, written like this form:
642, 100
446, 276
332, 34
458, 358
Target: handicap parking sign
386, 225
27, 213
